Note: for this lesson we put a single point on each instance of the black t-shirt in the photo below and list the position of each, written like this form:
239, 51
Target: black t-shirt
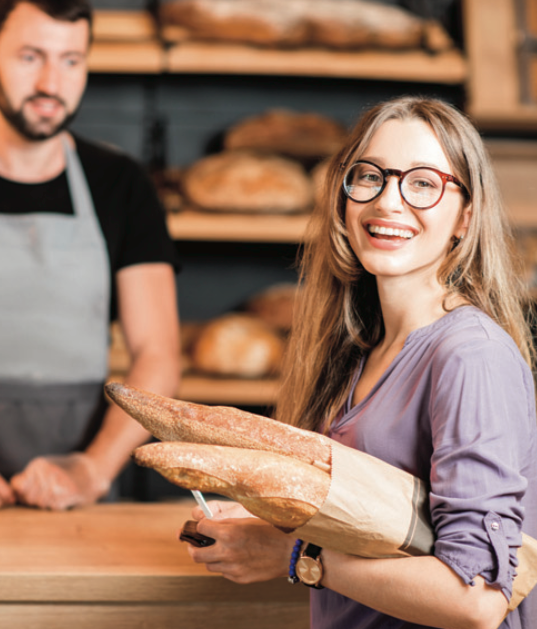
131, 216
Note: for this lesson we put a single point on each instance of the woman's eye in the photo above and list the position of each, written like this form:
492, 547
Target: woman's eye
373, 178
423, 183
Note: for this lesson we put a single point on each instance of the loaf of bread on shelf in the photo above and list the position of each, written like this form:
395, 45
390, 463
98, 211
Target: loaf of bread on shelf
275, 305
340, 24
261, 22
300, 135
239, 345
244, 181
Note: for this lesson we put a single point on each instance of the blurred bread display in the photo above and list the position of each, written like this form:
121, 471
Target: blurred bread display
300, 135
237, 345
336, 24
244, 181
275, 305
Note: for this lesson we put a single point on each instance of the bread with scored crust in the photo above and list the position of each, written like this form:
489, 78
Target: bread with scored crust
282, 491
177, 420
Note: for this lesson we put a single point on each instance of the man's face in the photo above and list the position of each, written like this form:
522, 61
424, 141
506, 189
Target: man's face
43, 71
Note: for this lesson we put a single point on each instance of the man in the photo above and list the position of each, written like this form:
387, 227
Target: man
82, 237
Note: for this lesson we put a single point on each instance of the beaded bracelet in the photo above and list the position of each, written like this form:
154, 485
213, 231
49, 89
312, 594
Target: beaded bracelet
292, 578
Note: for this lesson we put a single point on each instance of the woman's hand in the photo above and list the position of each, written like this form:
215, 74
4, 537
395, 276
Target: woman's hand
246, 550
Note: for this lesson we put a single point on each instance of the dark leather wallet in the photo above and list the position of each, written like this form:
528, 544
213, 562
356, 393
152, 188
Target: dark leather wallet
189, 534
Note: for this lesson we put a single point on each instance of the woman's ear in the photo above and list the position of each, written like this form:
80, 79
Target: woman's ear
464, 221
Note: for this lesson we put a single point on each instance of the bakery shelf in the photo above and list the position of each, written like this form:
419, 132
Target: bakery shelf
222, 391
128, 41
213, 226
515, 164
200, 57
197, 387
125, 41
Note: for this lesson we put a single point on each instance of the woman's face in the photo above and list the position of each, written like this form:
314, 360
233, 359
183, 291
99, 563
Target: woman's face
417, 240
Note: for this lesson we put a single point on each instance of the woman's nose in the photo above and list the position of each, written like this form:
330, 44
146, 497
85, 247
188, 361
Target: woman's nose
390, 200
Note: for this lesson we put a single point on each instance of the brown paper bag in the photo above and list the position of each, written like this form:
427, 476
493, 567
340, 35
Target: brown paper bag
386, 514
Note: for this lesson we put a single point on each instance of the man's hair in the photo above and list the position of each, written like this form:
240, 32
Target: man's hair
66, 10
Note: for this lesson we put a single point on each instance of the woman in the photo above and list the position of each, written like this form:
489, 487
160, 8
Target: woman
411, 344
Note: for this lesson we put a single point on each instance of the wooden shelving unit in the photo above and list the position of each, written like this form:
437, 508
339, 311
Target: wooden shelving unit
197, 387
128, 41
515, 164
449, 67
222, 391
495, 85
194, 225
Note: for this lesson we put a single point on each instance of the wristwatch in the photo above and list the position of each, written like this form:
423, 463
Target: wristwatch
309, 567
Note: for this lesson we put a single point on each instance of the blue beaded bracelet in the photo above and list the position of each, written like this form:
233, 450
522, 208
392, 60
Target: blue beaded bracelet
292, 578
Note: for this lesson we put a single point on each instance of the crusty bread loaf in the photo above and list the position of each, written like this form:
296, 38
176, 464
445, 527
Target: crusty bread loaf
176, 420
243, 181
348, 24
259, 22
238, 345
296, 134
282, 491
275, 305
340, 24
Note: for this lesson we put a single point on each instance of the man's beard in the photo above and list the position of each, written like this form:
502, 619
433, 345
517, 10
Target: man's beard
29, 130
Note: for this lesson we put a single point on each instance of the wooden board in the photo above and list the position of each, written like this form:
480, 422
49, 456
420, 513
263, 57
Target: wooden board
515, 164
126, 26
214, 226
494, 85
448, 67
120, 565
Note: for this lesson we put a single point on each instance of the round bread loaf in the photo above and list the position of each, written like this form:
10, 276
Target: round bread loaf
242, 181
275, 305
238, 345
299, 135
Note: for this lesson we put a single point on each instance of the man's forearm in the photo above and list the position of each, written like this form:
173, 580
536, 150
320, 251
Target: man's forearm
120, 434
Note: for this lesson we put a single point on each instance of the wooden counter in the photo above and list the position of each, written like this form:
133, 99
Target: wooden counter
120, 566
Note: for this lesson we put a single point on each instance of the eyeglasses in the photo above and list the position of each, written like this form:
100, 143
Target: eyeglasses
422, 187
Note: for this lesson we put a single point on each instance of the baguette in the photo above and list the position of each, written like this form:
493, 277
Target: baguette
355, 504
176, 420
283, 491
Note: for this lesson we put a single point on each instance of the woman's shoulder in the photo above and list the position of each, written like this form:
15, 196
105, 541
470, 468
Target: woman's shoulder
469, 335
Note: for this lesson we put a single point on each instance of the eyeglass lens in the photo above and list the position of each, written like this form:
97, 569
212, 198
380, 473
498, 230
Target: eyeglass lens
421, 187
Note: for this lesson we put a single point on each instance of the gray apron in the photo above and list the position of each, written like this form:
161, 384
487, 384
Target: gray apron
54, 310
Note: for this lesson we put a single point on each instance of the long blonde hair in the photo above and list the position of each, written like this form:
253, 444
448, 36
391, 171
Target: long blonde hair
338, 317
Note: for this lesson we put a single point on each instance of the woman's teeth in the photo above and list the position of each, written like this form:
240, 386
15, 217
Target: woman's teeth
390, 231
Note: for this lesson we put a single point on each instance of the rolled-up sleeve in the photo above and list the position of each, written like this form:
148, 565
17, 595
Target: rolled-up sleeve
480, 410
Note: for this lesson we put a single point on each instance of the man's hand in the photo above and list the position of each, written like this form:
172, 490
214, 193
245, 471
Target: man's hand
7, 496
59, 482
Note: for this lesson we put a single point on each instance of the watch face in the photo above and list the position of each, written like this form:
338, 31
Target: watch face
309, 570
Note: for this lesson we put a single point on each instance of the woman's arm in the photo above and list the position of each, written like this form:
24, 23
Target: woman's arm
421, 590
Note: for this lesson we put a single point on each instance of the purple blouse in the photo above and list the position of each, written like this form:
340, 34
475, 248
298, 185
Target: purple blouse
455, 407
